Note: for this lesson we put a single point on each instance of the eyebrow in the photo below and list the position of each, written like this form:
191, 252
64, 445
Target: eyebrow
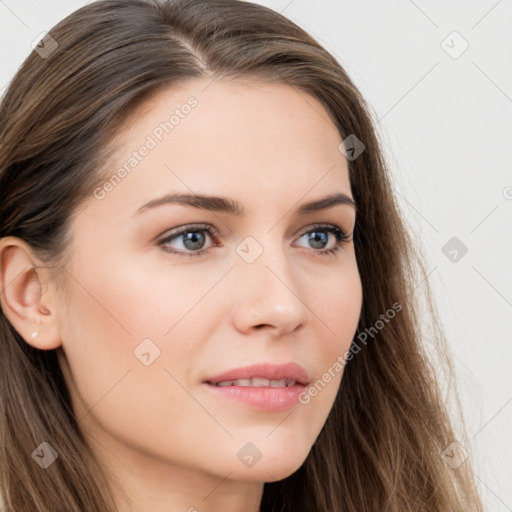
232, 207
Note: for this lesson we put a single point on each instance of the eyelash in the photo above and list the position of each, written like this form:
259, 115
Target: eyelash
341, 238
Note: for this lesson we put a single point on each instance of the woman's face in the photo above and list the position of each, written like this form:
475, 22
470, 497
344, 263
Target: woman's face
157, 306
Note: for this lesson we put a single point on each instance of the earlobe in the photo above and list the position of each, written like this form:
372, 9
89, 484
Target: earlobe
25, 303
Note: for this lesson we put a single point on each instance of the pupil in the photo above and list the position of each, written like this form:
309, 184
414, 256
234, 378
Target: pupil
192, 236
315, 236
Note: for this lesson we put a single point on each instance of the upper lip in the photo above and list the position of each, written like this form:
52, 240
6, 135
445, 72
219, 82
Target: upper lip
266, 371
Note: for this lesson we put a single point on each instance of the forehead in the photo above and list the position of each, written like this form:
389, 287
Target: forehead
239, 137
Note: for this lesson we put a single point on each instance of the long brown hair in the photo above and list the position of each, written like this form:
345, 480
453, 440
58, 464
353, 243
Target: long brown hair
383, 444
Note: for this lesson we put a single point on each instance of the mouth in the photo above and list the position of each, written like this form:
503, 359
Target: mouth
262, 375
264, 387
257, 382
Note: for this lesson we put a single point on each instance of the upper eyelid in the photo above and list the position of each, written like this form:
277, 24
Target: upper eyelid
188, 227
212, 231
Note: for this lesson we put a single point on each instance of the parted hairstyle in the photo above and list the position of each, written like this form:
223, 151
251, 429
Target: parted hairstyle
381, 448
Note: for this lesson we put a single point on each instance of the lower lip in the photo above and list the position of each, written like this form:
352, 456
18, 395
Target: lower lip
262, 398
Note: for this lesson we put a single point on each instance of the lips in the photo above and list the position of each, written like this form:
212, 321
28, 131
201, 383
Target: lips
262, 375
264, 387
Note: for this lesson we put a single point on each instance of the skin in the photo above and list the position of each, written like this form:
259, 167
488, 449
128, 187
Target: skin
168, 443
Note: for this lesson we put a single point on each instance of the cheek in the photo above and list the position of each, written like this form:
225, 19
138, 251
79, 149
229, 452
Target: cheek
336, 314
110, 385
119, 317
336, 311
98, 340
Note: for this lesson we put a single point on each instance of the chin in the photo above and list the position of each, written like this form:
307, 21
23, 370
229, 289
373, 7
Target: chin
265, 473
270, 469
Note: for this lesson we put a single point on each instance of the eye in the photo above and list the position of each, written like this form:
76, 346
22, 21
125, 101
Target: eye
318, 236
193, 239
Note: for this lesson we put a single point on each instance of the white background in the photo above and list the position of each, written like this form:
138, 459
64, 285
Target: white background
447, 127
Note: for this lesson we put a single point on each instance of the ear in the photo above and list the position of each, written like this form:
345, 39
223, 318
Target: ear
27, 297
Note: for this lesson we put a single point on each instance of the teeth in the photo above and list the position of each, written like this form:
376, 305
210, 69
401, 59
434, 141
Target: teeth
225, 383
242, 382
258, 382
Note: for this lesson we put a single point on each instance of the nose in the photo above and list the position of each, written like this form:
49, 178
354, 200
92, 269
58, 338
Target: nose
268, 295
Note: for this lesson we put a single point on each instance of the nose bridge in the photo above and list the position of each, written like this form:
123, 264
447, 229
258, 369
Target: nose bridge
264, 262
269, 291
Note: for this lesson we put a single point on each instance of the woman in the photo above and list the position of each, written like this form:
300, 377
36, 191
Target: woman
210, 299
